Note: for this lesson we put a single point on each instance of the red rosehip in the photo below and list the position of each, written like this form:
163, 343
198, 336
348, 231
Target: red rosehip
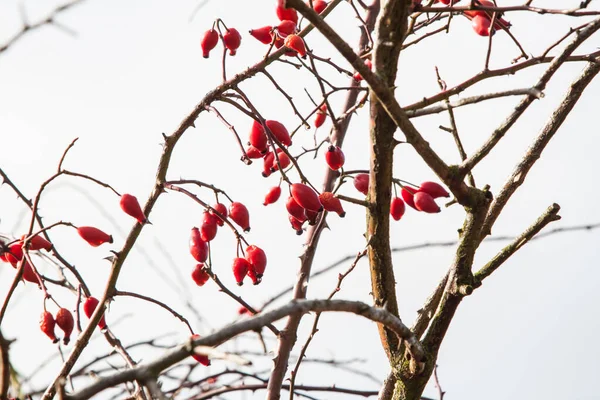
424, 202
286, 28
198, 247
433, 189
407, 194
89, 306
357, 76
312, 217
296, 224
286, 13
273, 195
335, 157
481, 25
397, 208
221, 209
209, 42
306, 197
279, 131
252, 275
64, 320
202, 359
258, 137
296, 43
319, 6
321, 116
284, 160
208, 229
232, 40
263, 35
130, 205
332, 203
94, 236
47, 326
361, 183
199, 275
268, 164
240, 269
243, 310
253, 153
239, 214
38, 242
14, 254
29, 274
295, 209
257, 258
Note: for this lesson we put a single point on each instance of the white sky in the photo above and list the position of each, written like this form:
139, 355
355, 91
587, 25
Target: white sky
135, 70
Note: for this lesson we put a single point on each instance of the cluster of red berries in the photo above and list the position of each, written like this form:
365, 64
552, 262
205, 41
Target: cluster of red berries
13, 254
64, 320
231, 40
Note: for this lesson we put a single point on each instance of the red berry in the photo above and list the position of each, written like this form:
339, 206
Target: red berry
357, 76
89, 306
332, 203
321, 116
258, 137
253, 153
240, 269
243, 310
200, 358
37, 243
433, 189
29, 274
306, 197
296, 43
319, 6
296, 224
208, 229
257, 259
286, 28
273, 195
263, 34
284, 160
295, 210
361, 183
407, 194
279, 131
94, 236
268, 164
199, 275
198, 247
221, 209
312, 217
47, 326
335, 157
130, 205
64, 320
397, 208
14, 254
481, 25
286, 13
209, 42
424, 202
239, 214
232, 40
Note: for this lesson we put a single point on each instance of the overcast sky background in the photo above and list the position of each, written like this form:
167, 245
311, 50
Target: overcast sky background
135, 70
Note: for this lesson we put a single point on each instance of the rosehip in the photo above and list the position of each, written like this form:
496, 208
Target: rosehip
253, 153
240, 269
357, 76
47, 326
239, 214
279, 131
89, 306
286, 13
198, 247
258, 138
295, 210
481, 25
208, 229
268, 164
321, 116
243, 310
286, 28
263, 35
221, 209
38, 242
361, 183
199, 275
312, 217
397, 208
202, 359
424, 202
284, 160
296, 43
232, 40
130, 205
335, 157
29, 274
296, 224
257, 258
273, 195
433, 189
94, 236
209, 42
64, 320
407, 194
306, 197
332, 203
319, 6
14, 254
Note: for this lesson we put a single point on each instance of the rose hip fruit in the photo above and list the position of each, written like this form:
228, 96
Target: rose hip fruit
279, 131
286, 13
47, 326
334, 156
198, 247
263, 34
258, 137
286, 27
268, 164
321, 116
433, 189
361, 183
221, 209
332, 203
306, 197
240, 269
296, 224
208, 229
239, 214
89, 306
37, 243
257, 259
397, 208
199, 275
295, 209
64, 320
407, 194
273, 195
296, 43
481, 25
209, 42
424, 202
94, 236
130, 205
253, 153
232, 40
284, 160
202, 359
319, 6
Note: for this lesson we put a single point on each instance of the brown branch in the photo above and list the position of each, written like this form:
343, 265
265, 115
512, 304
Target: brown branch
575, 12
4, 367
